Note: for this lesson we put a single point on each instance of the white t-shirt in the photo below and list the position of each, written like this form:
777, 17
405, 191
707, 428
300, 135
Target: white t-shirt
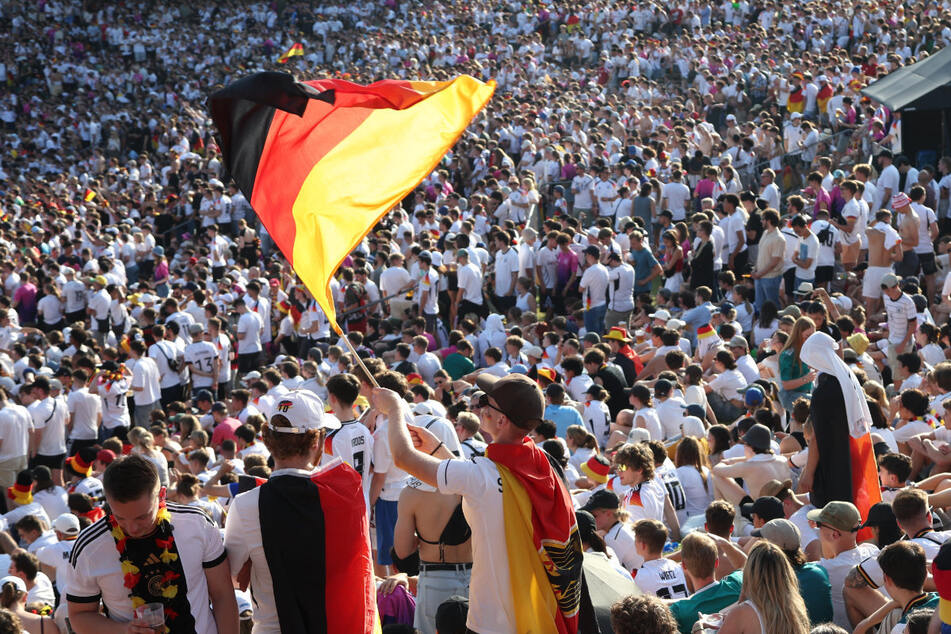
838, 568
698, 496
491, 597
95, 570
115, 406
651, 422
677, 195
145, 374
250, 326
429, 281
396, 478
15, 425
51, 309
899, 312
352, 443
201, 355
808, 248
663, 578
56, 556
671, 415
727, 383
470, 281
85, 408
162, 352
646, 501
50, 415
506, 263
594, 283
620, 538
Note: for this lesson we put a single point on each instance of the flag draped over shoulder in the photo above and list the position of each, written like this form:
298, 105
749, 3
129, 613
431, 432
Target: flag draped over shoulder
327, 586
541, 539
295, 50
322, 161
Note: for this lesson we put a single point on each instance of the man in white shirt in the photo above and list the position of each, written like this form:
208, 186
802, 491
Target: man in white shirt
620, 291
581, 187
674, 196
888, 179
49, 428
396, 280
85, 414
902, 316
605, 505
605, 193
806, 256
657, 576
837, 523
427, 292
468, 297
250, 327
506, 272
15, 427
204, 364
112, 386
146, 387
169, 361
594, 287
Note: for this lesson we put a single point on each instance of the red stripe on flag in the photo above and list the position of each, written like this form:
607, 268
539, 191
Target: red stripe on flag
865, 489
279, 180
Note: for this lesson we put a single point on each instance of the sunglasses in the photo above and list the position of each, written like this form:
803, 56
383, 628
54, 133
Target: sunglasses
621, 468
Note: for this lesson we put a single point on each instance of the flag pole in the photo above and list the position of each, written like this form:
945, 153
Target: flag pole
356, 356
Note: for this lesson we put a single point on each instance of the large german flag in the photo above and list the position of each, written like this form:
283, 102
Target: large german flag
322, 161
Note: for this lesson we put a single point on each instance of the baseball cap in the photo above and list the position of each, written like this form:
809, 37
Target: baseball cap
452, 613
676, 324
795, 115
767, 507
303, 410
195, 329
753, 395
692, 426
773, 488
880, 514
739, 341
106, 456
219, 406
758, 437
663, 387
67, 524
425, 256
602, 499
250, 377
16, 581
533, 351
203, 395
791, 311
842, 516
781, 532
587, 526
696, 410
661, 314
890, 280
516, 396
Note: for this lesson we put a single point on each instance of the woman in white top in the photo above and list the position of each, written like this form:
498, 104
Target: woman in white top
927, 339
143, 443
723, 389
524, 295
766, 324
581, 443
13, 598
773, 604
769, 366
694, 476
645, 416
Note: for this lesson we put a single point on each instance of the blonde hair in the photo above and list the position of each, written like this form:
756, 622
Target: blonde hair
582, 437
770, 583
796, 339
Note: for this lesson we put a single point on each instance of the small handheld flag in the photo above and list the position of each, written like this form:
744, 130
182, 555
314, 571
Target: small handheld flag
322, 161
88, 195
296, 50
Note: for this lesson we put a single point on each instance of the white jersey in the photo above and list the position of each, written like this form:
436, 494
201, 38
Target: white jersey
620, 538
667, 474
115, 403
663, 578
352, 443
201, 356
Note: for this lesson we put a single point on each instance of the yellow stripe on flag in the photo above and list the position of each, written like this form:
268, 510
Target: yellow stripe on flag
370, 171
535, 607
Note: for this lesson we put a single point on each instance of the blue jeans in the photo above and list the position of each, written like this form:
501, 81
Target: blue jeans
767, 288
594, 318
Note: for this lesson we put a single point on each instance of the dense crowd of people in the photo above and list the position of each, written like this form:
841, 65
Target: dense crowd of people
654, 300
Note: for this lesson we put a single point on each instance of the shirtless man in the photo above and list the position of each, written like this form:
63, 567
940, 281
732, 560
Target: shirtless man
909, 228
884, 248
757, 467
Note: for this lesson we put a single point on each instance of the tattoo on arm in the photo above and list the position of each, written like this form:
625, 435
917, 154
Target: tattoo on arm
855, 579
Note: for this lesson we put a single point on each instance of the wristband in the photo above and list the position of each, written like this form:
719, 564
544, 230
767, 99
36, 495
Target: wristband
437, 448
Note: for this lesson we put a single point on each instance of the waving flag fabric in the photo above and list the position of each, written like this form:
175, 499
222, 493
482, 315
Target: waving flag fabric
295, 50
322, 161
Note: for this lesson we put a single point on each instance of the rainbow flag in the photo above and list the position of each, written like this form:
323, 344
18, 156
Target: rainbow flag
322, 161
296, 50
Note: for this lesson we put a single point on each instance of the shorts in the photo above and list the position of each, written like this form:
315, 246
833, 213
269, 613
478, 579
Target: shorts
872, 284
385, 514
908, 265
824, 274
53, 462
248, 362
927, 263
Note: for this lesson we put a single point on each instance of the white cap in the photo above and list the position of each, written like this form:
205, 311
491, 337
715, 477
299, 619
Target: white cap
676, 324
304, 410
533, 351
19, 583
423, 409
661, 314
147, 298
795, 115
67, 524
250, 377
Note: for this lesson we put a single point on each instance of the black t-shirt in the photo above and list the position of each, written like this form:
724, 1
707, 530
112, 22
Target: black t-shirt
613, 381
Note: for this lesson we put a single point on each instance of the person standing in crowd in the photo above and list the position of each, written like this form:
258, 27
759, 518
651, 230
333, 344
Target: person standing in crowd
330, 586
516, 405
146, 551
